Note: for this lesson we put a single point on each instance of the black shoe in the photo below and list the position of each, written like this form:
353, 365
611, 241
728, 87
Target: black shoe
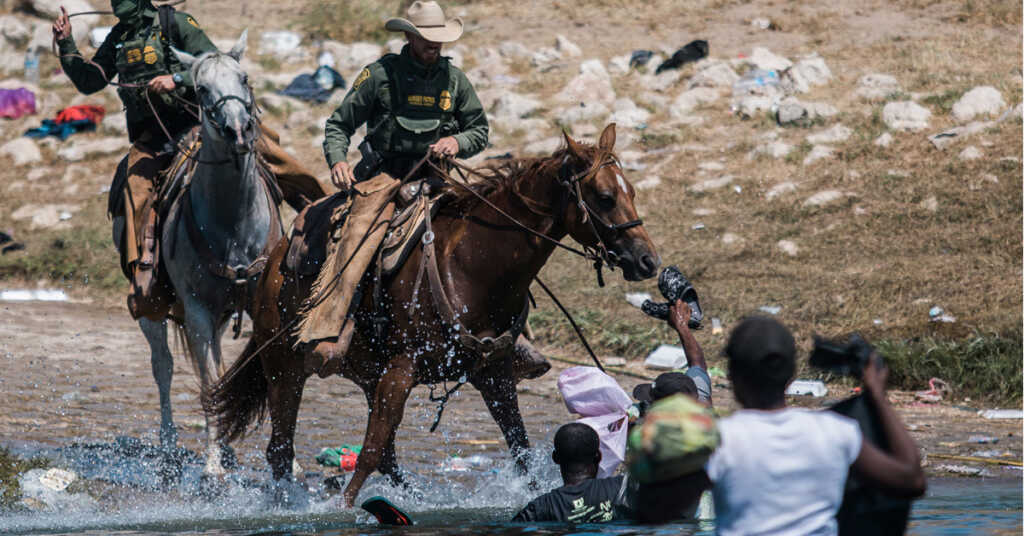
674, 286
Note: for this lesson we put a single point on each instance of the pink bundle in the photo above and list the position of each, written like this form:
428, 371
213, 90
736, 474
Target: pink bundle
603, 404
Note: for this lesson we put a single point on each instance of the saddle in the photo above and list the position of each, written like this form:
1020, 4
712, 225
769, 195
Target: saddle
321, 223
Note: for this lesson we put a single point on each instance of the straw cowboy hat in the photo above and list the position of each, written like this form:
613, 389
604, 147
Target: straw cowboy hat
426, 19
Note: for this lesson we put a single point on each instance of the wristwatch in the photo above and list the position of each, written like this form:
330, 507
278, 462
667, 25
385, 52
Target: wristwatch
178, 79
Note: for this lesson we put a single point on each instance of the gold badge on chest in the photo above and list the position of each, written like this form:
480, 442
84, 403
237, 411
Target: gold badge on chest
149, 54
133, 55
446, 101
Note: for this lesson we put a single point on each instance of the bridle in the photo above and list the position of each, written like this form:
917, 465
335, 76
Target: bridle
215, 112
571, 183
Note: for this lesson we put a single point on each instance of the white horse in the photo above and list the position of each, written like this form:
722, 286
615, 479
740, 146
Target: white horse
232, 216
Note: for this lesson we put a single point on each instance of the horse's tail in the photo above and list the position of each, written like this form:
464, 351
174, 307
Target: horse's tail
239, 398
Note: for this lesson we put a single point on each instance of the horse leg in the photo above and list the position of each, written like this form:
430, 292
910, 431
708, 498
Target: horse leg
388, 406
201, 332
163, 370
284, 395
499, 393
389, 460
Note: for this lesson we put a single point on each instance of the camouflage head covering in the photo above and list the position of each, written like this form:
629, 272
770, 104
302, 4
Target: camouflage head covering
130, 11
675, 439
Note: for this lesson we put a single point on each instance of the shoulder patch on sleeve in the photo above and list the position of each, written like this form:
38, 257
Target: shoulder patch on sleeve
364, 75
192, 21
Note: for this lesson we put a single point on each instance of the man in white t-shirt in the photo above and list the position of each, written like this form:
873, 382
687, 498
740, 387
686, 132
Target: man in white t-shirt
782, 470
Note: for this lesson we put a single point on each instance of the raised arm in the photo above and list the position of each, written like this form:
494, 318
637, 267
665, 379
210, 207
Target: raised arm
85, 76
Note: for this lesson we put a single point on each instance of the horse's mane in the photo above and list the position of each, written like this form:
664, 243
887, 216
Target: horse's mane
505, 175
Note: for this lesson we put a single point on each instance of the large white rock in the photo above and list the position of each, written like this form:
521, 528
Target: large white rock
713, 73
80, 25
14, 32
689, 100
582, 113
545, 56
982, 100
788, 247
45, 216
627, 114
360, 55
22, 150
514, 50
808, 72
823, 198
884, 140
877, 86
906, 115
592, 85
970, 153
80, 150
712, 184
818, 152
619, 64
774, 149
752, 105
280, 43
762, 58
514, 105
837, 133
567, 47
779, 189
546, 146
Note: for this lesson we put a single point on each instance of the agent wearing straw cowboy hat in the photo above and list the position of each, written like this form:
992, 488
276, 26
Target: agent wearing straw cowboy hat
412, 102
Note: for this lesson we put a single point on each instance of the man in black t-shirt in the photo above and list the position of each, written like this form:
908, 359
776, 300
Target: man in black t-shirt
583, 498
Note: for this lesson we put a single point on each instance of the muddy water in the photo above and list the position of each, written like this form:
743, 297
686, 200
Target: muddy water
76, 386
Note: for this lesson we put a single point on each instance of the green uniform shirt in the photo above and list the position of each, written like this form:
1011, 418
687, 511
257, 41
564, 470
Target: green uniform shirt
88, 79
369, 101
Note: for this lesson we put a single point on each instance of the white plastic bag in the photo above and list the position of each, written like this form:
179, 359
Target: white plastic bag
603, 404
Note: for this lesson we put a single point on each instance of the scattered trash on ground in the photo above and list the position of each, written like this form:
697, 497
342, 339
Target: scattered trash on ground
716, 372
666, 357
964, 470
15, 103
716, 326
698, 227
615, 361
983, 440
33, 295
343, 457
8, 245
770, 309
693, 51
639, 58
57, 479
70, 120
1001, 414
937, 389
316, 87
815, 388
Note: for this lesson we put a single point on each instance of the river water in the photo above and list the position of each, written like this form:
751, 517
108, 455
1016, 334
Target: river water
127, 496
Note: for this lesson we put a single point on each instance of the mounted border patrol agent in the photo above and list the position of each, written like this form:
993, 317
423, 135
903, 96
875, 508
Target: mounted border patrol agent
138, 52
412, 103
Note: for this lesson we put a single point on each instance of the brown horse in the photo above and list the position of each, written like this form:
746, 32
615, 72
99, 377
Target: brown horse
486, 267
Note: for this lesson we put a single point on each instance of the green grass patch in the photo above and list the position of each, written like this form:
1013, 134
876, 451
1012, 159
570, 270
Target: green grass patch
984, 367
81, 255
943, 102
11, 467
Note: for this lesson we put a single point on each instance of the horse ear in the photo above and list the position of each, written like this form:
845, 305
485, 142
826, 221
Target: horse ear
607, 141
186, 59
574, 148
238, 50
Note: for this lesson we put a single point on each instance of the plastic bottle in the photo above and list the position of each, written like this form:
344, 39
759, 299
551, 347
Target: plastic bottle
755, 82
32, 65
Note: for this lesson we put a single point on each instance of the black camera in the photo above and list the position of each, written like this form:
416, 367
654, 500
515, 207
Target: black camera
847, 358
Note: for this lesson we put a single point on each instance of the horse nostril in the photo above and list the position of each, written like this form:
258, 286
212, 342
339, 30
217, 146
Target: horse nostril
648, 263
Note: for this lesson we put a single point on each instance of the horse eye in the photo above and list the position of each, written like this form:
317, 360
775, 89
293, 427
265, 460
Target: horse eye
605, 202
